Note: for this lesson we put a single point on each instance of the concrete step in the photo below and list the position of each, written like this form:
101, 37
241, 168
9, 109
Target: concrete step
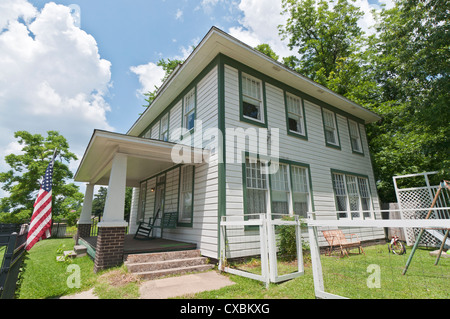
173, 271
165, 264
80, 250
150, 257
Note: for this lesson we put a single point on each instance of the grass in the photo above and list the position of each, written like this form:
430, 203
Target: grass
44, 277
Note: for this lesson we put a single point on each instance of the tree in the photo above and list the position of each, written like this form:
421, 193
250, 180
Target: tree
411, 64
168, 66
22, 180
98, 204
267, 50
328, 40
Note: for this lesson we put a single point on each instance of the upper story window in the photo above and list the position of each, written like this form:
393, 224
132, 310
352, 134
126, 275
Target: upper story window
330, 128
355, 136
252, 99
295, 116
164, 133
189, 110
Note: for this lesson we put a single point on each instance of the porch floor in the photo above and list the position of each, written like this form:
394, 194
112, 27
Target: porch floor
134, 246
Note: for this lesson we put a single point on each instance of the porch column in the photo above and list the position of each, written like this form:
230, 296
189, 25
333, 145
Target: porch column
84, 223
111, 230
134, 211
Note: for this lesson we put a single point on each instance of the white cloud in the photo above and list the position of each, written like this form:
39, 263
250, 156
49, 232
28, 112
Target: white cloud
150, 76
52, 76
260, 25
179, 14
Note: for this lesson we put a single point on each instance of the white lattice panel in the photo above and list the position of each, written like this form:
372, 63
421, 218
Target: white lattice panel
411, 202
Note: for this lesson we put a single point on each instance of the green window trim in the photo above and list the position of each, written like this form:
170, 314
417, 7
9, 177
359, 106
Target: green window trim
357, 175
361, 152
337, 136
290, 132
263, 112
289, 163
191, 217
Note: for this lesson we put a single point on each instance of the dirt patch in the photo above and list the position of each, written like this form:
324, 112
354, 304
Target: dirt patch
118, 278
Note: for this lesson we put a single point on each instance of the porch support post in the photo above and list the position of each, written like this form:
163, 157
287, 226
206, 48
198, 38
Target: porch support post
84, 223
111, 230
134, 211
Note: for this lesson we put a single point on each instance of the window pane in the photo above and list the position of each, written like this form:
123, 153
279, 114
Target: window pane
251, 110
251, 97
340, 193
256, 202
300, 201
186, 193
354, 136
330, 127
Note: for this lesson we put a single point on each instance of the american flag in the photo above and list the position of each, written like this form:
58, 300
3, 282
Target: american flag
41, 220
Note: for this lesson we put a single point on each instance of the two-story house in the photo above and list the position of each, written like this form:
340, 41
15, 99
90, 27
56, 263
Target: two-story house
204, 146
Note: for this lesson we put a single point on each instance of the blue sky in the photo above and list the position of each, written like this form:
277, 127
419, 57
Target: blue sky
76, 71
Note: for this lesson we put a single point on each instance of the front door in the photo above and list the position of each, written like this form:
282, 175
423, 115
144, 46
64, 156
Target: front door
159, 204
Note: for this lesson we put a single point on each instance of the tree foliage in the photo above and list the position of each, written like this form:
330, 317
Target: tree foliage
27, 169
401, 73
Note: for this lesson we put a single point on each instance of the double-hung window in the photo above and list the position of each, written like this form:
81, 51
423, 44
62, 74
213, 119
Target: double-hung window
164, 131
295, 117
289, 189
256, 188
280, 191
352, 196
355, 136
330, 128
186, 194
252, 98
300, 190
189, 110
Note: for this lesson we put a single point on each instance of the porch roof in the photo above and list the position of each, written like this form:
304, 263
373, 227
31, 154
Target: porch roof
146, 157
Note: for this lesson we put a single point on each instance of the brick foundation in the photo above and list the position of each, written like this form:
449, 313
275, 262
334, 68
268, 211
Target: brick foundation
83, 230
109, 250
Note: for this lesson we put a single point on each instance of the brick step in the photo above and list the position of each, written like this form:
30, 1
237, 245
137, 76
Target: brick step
173, 271
164, 264
151, 257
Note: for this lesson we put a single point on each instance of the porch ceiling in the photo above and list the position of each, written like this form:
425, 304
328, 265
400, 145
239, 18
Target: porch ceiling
146, 157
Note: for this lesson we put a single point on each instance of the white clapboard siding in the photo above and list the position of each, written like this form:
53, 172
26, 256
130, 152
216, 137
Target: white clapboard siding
313, 151
205, 216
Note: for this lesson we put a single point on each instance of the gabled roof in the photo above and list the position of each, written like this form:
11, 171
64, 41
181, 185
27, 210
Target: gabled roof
216, 42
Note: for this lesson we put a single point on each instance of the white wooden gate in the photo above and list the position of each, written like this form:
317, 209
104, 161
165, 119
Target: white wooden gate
255, 237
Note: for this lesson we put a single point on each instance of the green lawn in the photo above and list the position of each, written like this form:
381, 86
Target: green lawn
44, 277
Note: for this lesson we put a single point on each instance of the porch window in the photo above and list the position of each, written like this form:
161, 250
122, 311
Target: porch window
280, 193
142, 201
352, 196
300, 190
189, 110
164, 133
252, 98
330, 127
256, 188
295, 114
186, 194
355, 136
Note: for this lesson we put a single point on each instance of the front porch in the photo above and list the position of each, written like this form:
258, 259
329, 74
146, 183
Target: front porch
121, 161
134, 246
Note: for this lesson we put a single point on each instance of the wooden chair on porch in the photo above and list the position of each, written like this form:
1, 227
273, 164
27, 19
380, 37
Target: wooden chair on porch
336, 238
145, 230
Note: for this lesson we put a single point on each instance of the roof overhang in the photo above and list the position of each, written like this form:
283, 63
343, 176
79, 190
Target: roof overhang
145, 157
218, 42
